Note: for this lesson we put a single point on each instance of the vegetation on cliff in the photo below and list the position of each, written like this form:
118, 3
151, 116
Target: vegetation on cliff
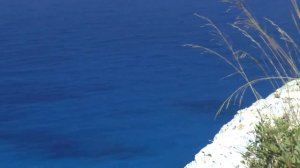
277, 140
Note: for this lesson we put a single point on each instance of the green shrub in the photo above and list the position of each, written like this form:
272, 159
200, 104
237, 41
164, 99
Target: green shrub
277, 142
276, 145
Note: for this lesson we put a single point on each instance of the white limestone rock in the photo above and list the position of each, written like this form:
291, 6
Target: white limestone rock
232, 139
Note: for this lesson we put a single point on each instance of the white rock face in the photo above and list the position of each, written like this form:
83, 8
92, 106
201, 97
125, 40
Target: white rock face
227, 146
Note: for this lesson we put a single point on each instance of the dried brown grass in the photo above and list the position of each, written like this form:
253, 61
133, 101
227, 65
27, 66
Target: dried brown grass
280, 55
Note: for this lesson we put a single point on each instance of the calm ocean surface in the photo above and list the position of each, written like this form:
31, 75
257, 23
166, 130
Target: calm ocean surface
107, 83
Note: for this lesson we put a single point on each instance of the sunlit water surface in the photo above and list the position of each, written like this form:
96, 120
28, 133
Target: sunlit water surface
107, 83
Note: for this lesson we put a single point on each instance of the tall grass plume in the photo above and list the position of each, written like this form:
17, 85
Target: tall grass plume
277, 58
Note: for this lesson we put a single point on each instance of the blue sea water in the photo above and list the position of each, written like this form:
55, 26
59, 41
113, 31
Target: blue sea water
108, 84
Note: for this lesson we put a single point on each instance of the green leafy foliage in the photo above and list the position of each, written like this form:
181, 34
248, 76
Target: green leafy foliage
276, 145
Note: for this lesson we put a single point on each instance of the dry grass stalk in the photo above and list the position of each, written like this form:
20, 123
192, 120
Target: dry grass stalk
280, 56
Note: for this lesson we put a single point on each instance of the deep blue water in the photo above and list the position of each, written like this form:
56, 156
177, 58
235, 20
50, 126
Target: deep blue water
107, 83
